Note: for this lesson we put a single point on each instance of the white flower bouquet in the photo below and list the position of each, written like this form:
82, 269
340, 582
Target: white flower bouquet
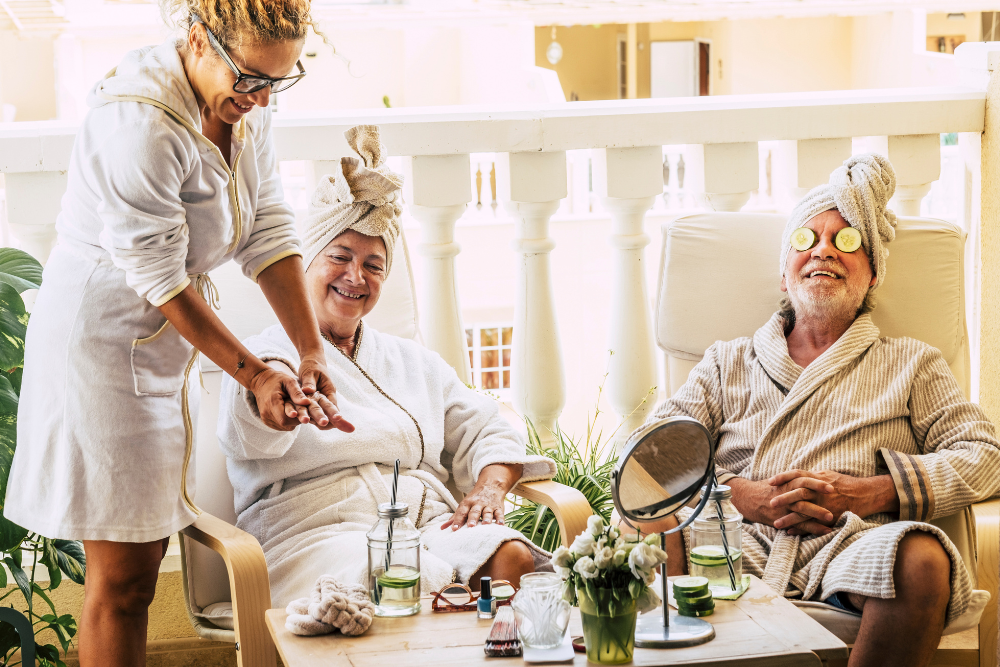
605, 565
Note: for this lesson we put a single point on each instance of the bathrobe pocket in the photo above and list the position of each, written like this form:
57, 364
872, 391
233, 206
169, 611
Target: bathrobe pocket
159, 361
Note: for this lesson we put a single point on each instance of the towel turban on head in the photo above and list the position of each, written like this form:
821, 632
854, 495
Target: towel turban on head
859, 190
362, 194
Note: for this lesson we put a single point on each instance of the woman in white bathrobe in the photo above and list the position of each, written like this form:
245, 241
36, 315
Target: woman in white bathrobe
309, 496
173, 173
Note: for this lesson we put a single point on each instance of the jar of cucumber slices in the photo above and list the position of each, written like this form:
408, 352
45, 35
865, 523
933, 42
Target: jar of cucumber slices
718, 528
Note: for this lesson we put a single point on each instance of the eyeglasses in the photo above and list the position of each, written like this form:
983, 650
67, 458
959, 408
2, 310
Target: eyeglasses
847, 239
248, 83
459, 597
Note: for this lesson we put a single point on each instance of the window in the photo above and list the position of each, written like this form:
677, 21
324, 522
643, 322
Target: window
622, 66
489, 356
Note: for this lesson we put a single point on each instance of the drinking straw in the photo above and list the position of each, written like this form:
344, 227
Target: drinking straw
388, 546
725, 541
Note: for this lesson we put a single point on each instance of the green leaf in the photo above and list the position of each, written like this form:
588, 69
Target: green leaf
13, 327
40, 592
19, 270
15, 379
8, 397
22, 580
50, 559
72, 559
11, 536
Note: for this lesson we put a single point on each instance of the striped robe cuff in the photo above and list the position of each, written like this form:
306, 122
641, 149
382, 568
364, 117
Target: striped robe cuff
913, 484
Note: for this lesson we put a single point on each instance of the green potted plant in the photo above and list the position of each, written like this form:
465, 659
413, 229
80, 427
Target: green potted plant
21, 550
608, 574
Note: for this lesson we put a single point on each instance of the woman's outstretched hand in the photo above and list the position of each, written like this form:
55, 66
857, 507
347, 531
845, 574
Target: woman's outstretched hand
321, 406
484, 504
280, 401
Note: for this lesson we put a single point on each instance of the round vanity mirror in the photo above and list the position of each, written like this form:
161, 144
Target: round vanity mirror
661, 469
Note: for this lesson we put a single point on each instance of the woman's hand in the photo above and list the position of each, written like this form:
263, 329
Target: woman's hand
484, 504
318, 387
279, 399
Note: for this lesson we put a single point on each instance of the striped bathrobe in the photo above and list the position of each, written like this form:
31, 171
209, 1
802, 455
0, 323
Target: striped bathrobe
867, 406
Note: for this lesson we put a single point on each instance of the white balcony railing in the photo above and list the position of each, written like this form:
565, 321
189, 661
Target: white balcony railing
606, 154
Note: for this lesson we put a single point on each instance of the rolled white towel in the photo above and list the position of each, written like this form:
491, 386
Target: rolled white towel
331, 606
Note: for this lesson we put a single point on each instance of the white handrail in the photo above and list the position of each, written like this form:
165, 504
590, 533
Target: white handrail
45, 146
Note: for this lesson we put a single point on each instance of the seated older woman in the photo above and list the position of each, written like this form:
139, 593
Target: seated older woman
309, 495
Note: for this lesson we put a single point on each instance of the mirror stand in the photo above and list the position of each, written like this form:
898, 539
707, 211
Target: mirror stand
670, 629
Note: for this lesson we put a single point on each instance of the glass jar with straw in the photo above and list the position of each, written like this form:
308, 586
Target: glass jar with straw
394, 559
716, 543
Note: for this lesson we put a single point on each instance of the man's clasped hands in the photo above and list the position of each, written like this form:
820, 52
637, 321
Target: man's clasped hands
806, 502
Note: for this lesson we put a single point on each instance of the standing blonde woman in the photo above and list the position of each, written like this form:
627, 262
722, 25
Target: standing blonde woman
173, 174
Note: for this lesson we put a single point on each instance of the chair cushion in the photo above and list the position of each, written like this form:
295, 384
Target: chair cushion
719, 281
845, 624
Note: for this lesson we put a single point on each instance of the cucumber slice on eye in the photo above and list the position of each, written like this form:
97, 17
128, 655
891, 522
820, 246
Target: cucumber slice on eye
847, 239
803, 238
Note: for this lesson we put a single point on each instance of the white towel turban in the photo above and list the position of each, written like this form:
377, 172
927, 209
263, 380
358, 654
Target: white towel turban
859, 190
363, 195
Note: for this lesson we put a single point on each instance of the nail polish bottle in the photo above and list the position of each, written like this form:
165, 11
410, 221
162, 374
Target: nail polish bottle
487, 605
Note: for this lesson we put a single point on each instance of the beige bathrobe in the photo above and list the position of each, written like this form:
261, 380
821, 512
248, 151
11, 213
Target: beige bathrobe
867, 406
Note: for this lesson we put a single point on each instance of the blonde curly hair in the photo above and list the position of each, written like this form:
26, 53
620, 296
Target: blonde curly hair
235, 22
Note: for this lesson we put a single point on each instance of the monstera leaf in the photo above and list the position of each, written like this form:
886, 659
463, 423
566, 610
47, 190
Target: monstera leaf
19, 270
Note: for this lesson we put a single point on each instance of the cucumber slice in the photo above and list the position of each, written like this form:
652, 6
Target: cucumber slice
693, 599
848, 239
690, 585
398, 577
707, 612
700, 605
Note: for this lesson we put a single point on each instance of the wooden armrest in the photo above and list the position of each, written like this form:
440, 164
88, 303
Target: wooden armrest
569, 505
987, 516
248, 583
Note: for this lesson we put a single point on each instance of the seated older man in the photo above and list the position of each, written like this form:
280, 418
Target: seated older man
310, 495
839, 444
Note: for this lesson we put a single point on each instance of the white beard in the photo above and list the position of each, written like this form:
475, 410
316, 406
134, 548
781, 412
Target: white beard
838, 301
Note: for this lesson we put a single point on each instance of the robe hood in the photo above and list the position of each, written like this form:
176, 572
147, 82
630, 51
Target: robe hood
153, 73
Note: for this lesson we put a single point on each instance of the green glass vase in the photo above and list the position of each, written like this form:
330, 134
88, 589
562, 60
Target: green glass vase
608, 625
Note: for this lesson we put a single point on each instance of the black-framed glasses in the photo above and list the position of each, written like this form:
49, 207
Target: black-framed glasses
249, 83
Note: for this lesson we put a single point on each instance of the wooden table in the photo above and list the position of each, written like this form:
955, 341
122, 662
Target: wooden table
761, 628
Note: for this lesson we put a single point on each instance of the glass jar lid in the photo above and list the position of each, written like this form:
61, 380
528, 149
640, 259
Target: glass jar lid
391, 511
719, 492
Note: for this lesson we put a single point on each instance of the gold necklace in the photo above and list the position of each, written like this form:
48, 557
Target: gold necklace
354, 360
357, 341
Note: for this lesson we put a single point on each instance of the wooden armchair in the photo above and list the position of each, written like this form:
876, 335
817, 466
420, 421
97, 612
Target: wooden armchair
226, 587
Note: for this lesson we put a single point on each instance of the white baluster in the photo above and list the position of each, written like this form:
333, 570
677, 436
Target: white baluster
531, 185
629, 179
916, 159
802, 165
33, 202
723, 175
437, 189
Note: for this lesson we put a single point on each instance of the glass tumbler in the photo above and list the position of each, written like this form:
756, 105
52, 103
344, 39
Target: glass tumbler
540, 612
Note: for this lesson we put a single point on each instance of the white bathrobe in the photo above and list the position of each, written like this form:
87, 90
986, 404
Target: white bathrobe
309, 496
867, 406
101, 441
